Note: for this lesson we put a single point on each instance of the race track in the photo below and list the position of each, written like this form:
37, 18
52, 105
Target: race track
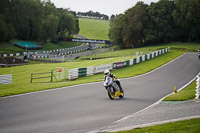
86, 107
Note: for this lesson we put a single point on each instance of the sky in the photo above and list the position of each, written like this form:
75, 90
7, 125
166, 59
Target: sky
107, 7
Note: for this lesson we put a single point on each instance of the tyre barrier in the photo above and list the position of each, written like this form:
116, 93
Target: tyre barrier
197, 87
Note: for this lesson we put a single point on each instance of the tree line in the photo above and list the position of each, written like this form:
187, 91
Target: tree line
92, 14
35, 20
161, 22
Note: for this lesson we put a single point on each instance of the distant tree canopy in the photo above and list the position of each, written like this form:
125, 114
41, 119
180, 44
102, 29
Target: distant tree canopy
91, 14
161, 22
35, 20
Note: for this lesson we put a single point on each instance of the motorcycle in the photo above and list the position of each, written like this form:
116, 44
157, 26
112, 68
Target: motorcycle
113, 88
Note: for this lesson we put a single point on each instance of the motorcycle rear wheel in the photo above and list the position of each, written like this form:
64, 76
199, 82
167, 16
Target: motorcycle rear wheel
122, 96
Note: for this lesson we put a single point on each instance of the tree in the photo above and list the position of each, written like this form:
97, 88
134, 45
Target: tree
49, 28
11, 32
187, 16
112, 16
67, 24
135, 21
127, 30
35, 20
115, 31
161, 27
3, 30
93, 14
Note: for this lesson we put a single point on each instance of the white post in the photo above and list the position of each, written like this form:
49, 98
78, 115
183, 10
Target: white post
63, 59
198, 87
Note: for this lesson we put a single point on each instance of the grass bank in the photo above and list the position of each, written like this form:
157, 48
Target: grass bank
186, 126
185, 94
22, 74
94, 28
8, 48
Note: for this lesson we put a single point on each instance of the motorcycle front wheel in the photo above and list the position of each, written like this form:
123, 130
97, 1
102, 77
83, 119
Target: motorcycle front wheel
111, 94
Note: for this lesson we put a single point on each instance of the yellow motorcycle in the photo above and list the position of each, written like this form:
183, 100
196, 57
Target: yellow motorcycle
113, 88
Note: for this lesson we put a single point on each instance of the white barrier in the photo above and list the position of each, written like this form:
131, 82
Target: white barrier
148, 56
73, 74
197, 87
143, 57
6, 79
102, 68
60, 73
138, 60
131, 62
90, 71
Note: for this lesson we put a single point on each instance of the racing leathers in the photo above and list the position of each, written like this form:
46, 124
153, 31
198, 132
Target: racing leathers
114, 78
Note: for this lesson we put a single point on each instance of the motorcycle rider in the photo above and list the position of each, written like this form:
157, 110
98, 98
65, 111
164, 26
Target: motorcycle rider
114, 77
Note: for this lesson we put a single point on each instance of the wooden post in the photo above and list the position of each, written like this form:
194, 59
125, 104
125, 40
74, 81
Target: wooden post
31, 76
51, 75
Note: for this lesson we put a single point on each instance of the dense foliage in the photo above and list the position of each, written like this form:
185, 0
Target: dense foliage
35, 20
92, 14
161, 22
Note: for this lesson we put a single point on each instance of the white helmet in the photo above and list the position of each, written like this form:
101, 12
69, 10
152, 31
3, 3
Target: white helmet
106, 72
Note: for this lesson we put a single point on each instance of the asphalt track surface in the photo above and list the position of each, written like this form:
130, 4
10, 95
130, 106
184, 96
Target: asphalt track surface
84, 108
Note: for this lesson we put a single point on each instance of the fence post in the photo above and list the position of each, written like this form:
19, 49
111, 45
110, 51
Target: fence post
51, 75
198, 87
31, 77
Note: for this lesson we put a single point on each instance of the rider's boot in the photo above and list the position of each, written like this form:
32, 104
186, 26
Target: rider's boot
120, 87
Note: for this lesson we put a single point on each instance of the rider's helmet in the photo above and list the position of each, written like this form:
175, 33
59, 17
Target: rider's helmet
106, 72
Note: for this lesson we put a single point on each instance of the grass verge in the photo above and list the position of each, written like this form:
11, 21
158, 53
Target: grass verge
186, 126
8, 48
94, 28
185, 94
22, 74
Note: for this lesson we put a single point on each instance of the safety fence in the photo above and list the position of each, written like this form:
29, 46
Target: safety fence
6, 79
198, 87
83, 72
58, 74
47, 54
42, 76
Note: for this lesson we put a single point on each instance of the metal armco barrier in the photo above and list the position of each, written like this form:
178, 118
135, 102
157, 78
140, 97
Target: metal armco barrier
6, 79
198, 87
82, 72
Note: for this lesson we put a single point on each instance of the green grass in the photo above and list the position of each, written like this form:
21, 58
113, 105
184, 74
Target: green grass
94, 29
185, 94
52, 46
22, 74
186, 126
121, 53
9, 48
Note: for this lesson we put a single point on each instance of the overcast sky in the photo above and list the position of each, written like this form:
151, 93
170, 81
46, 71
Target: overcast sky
107, 7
